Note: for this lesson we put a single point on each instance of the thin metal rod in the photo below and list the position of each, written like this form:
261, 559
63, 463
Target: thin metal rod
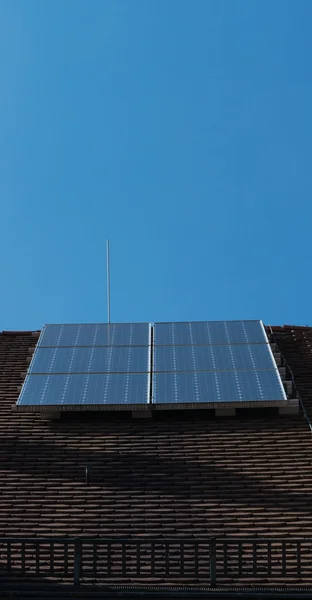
108, 280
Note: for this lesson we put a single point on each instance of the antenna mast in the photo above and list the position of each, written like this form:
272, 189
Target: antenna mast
108, 280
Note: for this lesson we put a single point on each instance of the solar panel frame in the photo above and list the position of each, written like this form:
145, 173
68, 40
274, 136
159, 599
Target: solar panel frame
94, 334
186, 333
236, 357
88, 359
185, 385
49, 392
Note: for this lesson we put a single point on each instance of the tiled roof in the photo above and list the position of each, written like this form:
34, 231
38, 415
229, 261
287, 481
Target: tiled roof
175, 476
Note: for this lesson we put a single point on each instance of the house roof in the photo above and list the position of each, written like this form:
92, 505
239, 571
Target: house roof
169, 476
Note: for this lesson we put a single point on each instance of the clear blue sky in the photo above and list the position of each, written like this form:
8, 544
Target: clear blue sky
181, 130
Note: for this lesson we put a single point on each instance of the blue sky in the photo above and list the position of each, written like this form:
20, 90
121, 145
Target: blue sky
181, 130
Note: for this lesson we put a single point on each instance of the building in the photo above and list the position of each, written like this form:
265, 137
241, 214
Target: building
169, 485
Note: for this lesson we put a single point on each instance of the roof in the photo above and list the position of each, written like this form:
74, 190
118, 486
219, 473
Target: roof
169, 476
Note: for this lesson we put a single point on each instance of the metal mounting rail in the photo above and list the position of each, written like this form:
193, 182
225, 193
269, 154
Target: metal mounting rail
292, 378
204, 561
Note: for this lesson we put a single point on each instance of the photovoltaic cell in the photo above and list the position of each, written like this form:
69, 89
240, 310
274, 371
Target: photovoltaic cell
96, 334
84, 390
209, 333
226, 386
114, 359
213, 358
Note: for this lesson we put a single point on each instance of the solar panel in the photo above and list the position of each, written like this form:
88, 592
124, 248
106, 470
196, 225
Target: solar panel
97, 359
209, 333
96, 334
83, 390
217, 387
213, 358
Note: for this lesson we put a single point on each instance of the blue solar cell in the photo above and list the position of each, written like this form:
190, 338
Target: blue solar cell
209, 333
71, 390
105, 359
212, 386
96, 334
213, 358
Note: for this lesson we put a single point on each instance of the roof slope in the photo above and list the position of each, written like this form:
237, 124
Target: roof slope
175, 477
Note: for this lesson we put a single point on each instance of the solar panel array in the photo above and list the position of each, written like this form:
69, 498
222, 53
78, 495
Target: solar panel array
133, 365
98, 365
208, 363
